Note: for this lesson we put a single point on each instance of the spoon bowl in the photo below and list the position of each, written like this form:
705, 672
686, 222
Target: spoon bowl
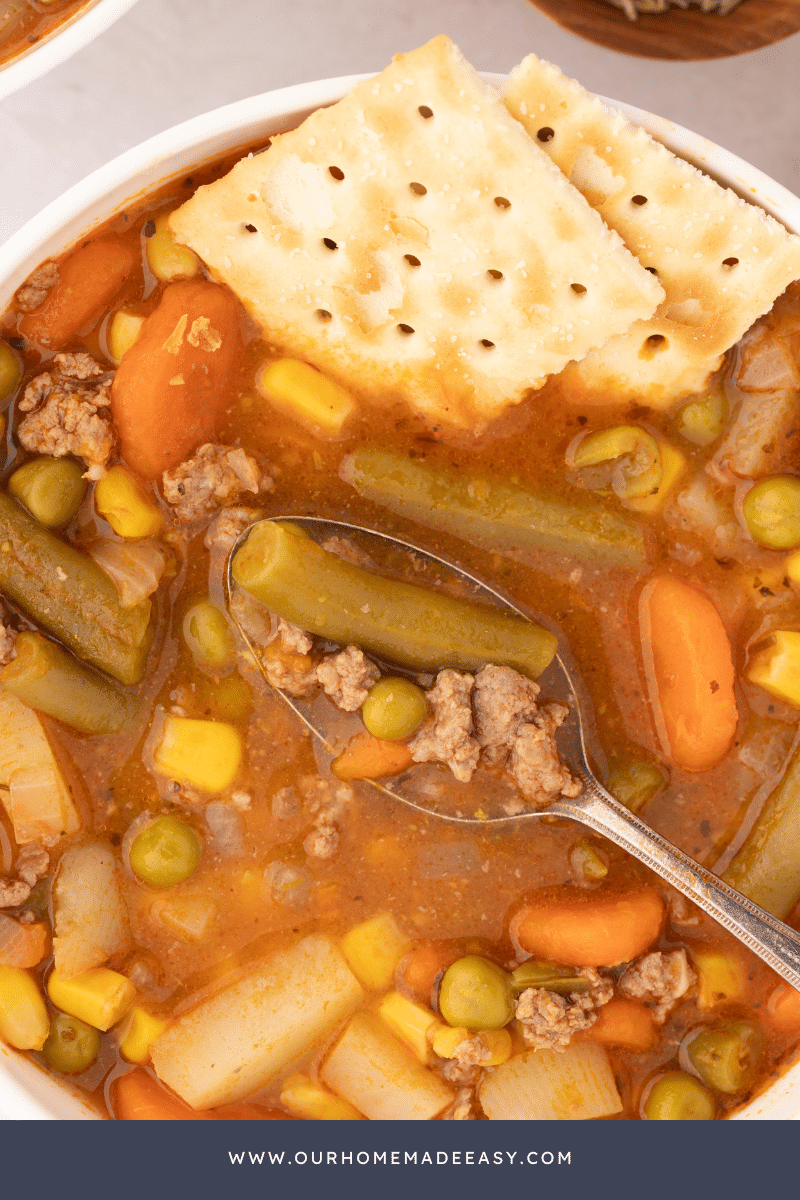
773, 941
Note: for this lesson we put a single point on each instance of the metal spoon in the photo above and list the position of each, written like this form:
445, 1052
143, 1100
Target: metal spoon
764, 934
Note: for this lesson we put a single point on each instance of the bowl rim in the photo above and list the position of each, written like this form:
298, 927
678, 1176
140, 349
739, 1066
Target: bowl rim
26, 1091
65, 40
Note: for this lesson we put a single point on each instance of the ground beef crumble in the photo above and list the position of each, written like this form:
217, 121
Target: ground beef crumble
213, 477
31, 864
64, 412
535, 762
347, 677
35, 288
226, 529
8, 642
548, 1020
447, 735
659, 979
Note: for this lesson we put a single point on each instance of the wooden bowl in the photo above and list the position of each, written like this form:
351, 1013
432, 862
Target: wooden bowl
679, 34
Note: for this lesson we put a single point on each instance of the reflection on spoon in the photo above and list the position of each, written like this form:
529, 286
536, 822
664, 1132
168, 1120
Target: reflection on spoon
764, 934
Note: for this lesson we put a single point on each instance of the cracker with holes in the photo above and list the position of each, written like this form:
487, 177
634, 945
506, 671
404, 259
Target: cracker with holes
722, 261
414, 243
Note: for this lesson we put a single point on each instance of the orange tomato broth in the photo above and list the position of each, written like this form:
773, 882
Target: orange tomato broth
446, 910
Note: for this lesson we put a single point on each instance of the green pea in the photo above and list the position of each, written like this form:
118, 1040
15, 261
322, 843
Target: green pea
771, 511
476, 994
165, 853
677, 1096
702, 421
50, 488
394, 708
72, 1045
551, 976
727, 1058
208, 635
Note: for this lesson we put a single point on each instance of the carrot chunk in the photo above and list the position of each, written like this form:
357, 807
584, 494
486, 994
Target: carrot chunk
174, 383
590, 931
783, 1007
368, 757
689, 669
420, 969
140, 1097
624, 1023
87, 283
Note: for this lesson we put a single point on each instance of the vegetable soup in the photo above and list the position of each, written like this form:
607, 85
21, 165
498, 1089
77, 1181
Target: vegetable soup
207, 914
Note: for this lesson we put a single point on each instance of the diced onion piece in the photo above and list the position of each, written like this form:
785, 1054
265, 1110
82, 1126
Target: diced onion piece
135, 568
91, 922
542, 1085
381, 1077
232, 1044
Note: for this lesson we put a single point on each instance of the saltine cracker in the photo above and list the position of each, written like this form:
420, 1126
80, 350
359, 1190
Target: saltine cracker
412, 242
721, 260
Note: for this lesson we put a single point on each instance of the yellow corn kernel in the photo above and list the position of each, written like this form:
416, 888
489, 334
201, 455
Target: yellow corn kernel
123, 330
791, 568
206, 754
299, 390
100, 997
720, 978
373, 949
410, 1022
445, 1039
24, 1023
123, 502
165, 258
500, 1045
673, 466
312, 1103
189, 917
10, 371
138, 1034
775, 666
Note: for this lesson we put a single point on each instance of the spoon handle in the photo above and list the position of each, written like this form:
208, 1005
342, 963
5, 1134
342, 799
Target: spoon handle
766, 936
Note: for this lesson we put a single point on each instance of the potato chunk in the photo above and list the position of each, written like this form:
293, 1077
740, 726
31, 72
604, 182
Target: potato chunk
542, 1085
381, 1077
38, 800
232, 1044
91, 920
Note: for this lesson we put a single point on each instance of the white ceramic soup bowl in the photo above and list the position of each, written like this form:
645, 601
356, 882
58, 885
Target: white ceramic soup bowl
65, 40
26, 1092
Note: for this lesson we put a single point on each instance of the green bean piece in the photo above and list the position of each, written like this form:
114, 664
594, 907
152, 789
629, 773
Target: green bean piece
497, 516
72, 1045
635, 782
475, 993
10, 371
767, 868
771, 512
727, 1058
208, 635
553, 977
50, 488
48, 678
703, 421
632, 454
677, 1096
412, 626
166, 852
66, 593
394, 709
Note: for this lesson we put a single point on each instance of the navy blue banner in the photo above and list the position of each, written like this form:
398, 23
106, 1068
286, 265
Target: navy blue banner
470, 1160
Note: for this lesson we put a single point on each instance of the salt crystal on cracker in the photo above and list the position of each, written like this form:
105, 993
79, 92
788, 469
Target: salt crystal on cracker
413, 243
722, 261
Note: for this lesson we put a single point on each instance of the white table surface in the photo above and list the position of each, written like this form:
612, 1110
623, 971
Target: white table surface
168, 60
